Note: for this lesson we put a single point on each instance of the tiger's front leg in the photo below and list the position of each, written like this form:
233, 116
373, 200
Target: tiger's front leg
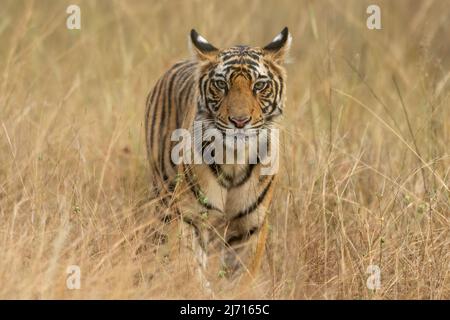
244, 253
200, 208
195, 240
247, 231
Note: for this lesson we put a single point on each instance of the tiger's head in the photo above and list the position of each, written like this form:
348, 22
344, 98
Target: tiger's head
241, 88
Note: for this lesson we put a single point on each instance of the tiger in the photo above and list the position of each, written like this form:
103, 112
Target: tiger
218, 207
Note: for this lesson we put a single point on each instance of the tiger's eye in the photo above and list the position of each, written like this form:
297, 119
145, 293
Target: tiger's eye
260, 85
220, 84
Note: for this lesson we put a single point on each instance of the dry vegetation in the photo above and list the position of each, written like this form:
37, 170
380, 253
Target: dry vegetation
366, 163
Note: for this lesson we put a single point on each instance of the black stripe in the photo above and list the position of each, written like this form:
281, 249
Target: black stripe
243, 236
165, 123
154, 159
254, 205
223, 179
275, 98
158, 96
176, 70
184, 89
253, 56
281, 86
241, 61
270, 117
152, 102
148, 104
226, 180
191, 223
197, 232
248, 174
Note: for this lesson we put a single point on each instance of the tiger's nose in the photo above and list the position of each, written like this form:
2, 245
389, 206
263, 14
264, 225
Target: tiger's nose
240, 122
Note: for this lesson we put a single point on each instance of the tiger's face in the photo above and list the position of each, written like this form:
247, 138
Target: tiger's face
241, 89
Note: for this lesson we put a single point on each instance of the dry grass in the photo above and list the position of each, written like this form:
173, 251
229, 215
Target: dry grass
366, 161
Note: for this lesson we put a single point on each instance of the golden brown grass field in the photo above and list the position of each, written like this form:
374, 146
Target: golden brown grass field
365, 168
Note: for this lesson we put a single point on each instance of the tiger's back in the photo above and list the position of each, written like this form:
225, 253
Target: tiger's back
170, 106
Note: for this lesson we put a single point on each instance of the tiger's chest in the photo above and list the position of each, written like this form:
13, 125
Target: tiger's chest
228, 188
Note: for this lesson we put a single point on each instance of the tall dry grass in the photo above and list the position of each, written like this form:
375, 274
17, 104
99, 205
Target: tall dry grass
365, 172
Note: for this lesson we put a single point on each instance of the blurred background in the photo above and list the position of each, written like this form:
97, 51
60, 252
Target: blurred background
365, 172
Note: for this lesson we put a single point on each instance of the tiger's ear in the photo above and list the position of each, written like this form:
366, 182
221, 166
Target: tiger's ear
279, 47
201, 47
